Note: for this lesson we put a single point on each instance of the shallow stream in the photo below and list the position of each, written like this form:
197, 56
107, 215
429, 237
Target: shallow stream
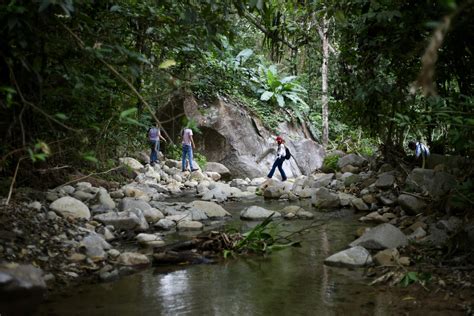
293, 281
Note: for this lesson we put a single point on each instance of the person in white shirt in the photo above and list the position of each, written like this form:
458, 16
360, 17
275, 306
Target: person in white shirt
281, 154
420, 150
188, 146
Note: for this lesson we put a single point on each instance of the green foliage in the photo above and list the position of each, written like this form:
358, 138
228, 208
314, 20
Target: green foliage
262, 239
330, 163
277, 90
67, 67
412, 277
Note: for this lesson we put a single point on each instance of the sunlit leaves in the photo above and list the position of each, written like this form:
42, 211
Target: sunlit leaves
167, 64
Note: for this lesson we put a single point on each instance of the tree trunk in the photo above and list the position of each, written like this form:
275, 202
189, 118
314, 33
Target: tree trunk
324, 75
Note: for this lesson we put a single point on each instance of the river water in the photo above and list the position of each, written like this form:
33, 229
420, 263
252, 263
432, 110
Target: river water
293, 281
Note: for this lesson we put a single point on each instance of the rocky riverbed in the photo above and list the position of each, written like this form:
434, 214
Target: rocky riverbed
84, 233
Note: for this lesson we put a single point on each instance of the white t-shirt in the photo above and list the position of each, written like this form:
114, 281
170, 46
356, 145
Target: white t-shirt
281, 152
187, 133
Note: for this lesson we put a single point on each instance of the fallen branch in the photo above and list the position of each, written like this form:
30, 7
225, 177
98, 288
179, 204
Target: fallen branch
13, 181
88, 176
417, 196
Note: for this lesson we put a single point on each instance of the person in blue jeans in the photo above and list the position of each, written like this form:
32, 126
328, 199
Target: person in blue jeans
188, 145
154, 136
281, 153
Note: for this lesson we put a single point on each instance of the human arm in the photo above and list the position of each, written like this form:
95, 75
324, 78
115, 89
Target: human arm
192, 140
161, 137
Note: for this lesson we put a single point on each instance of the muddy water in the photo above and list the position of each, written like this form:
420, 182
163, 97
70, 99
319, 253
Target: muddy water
290, 282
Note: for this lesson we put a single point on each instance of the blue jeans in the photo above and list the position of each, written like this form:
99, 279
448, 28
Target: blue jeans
154, 153
278, 163
187, 150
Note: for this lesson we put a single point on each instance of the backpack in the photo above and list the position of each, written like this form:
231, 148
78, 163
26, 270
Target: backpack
287, 154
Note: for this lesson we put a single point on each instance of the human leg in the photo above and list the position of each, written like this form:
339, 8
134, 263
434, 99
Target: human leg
153, 154
280, 168
183, 158
157, 150
272, 171
190, 157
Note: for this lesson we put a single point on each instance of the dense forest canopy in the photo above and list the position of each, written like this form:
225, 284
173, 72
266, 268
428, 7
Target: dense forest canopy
80, 80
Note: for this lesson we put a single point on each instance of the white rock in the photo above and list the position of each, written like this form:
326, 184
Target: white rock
70, 207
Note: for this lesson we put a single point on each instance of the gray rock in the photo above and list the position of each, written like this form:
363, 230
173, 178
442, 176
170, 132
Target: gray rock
353, 257
129, 203
150, 240
219, 168
345, 198
351, 159
321, 180
131, 163
95, 246
254, 213
385, 181
437, 237
212, 210
133, 259
35, 206
106, 233
325, 199
239, 152
197, 214
128, 220
22, 287
359, 205
70, 207
189, 226
387, 201
165, 224
381, 237
433, 182
349, 178
103, 198
450, 225
411, 204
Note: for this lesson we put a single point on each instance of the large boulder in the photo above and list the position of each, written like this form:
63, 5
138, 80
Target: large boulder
325, 199
232, 136
351, 159
70, 207
436, 183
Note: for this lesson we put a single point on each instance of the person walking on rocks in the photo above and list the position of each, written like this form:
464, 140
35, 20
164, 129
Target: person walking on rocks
420, 150
188, 146
154, 135
280, 158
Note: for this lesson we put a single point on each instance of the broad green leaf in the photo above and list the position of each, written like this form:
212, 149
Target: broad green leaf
243, 56
167, 64
280, 100
266, 96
